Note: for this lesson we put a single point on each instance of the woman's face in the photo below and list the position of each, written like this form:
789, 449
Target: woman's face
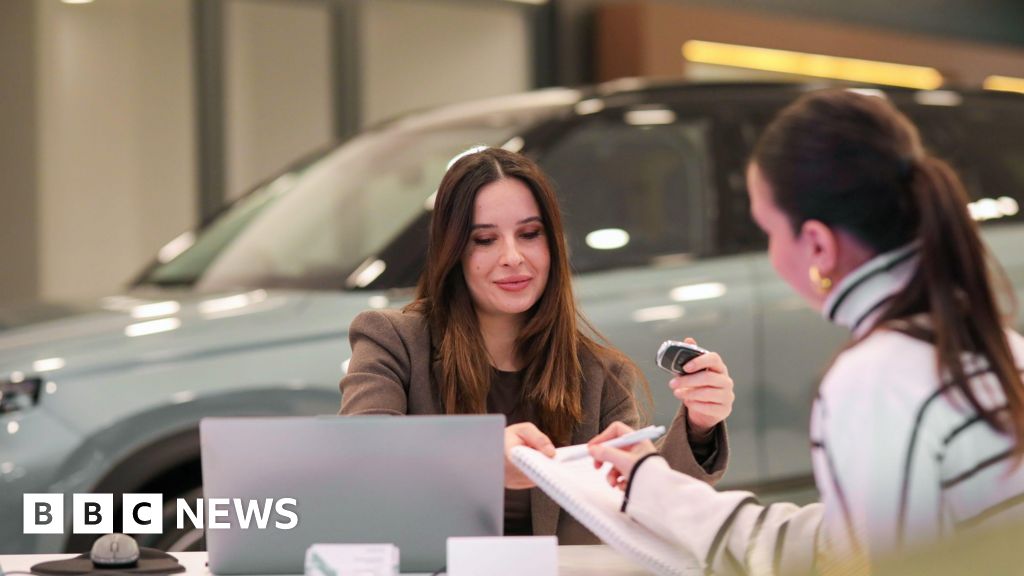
507, 260
789, 254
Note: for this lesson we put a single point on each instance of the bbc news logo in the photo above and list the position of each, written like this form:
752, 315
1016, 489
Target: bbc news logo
143, 513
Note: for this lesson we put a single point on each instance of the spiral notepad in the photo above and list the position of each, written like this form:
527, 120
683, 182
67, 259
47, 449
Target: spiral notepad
582, 491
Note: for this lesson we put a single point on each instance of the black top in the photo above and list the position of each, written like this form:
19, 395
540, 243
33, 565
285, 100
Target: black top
505, 397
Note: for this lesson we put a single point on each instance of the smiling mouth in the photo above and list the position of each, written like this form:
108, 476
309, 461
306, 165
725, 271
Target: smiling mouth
514, 284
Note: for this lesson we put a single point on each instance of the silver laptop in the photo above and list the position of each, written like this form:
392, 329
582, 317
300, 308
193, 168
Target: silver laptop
412, 481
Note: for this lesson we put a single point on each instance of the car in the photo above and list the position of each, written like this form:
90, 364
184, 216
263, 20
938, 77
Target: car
249, 314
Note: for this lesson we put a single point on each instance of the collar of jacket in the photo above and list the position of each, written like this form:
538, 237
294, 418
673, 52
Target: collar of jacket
858, 299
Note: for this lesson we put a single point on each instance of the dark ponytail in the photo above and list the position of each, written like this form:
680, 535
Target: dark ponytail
856, 163
954, 282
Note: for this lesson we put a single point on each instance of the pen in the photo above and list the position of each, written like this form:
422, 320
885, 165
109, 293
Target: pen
578, 451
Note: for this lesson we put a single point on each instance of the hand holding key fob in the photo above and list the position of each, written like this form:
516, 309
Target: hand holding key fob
673, 355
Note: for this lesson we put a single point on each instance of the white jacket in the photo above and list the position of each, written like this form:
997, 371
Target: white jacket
900, 459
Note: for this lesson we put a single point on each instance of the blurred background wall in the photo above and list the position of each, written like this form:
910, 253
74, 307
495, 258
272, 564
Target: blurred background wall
126, 122
19, 245
416, 54
277, 87
987, 21
114, 164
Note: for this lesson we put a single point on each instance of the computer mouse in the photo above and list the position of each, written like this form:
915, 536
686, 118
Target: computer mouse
114, 550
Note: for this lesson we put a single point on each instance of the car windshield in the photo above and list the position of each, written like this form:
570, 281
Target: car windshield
312, 227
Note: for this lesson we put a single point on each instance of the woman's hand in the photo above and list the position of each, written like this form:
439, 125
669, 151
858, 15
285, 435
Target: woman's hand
706, 391
523, 434
622, 459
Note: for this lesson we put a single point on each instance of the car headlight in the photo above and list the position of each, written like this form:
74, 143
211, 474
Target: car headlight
19, 393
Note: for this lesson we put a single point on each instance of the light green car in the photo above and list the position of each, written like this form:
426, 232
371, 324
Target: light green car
249, 314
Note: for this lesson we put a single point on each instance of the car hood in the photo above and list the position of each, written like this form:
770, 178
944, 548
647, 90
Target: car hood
158, 327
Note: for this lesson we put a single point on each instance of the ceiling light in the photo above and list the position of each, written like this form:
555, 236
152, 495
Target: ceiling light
816, 65
1004, 84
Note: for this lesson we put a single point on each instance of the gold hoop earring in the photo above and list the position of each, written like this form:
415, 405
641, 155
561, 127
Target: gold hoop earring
822, 283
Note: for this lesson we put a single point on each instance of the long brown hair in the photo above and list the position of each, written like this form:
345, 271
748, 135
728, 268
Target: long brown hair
550, 342
856, 163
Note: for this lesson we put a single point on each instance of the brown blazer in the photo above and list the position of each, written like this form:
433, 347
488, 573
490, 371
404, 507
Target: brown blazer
392, 371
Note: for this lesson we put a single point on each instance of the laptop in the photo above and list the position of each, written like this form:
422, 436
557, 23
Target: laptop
412, 481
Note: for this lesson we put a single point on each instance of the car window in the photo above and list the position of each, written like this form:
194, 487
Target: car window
981, 139
316, 227
738, 233
632, 193
186, 267
996, 180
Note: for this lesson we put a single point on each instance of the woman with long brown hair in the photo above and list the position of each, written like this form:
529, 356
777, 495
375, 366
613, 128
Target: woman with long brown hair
494, 329
918, 428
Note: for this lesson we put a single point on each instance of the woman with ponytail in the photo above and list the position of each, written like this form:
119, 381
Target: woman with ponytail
917, 431
494, 328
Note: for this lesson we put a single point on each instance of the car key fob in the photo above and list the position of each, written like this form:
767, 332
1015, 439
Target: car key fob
673, 355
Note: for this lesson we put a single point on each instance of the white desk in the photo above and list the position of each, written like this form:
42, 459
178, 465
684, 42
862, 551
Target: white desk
572, 561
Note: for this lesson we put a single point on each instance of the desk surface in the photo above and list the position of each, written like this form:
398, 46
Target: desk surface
572, 561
